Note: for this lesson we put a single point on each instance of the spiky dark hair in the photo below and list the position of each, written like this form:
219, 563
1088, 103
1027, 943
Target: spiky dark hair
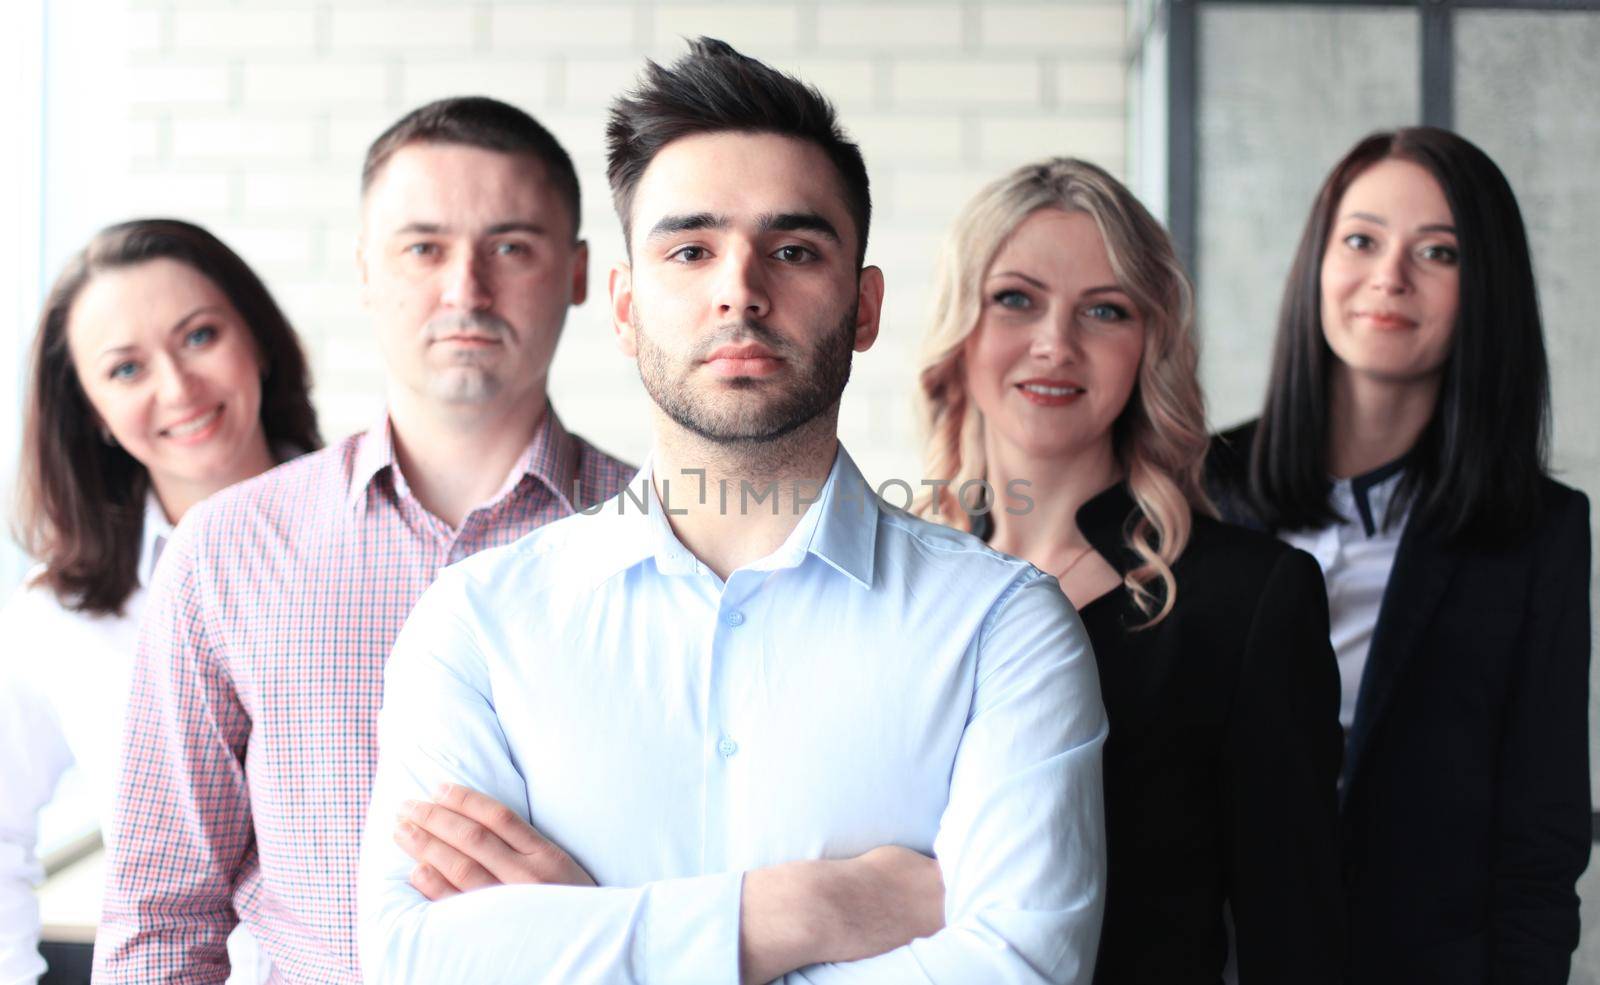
714, 88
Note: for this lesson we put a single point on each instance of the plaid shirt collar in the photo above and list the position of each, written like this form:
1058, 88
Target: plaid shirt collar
551, 458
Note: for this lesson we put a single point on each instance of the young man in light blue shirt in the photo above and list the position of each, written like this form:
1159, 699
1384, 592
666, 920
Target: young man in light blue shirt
735, 715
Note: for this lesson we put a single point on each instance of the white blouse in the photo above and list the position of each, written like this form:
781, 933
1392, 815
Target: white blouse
1356, 557
64, 679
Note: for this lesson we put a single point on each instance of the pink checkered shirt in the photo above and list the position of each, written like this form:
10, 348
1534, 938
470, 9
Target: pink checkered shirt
250, 742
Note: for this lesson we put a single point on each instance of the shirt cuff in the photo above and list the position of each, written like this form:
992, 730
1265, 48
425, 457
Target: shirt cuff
692, 929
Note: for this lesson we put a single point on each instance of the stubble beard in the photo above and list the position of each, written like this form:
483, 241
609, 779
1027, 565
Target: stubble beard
732, 411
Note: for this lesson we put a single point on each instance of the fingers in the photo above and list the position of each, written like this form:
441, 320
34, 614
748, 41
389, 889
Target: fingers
468, 837
471, 829
456, 867
517, 834
426, 880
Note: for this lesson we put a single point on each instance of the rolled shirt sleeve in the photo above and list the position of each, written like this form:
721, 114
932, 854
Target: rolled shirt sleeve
182, 814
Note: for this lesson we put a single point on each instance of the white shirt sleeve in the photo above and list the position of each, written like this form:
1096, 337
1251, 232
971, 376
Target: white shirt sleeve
33, 755
1022, 841
438, 724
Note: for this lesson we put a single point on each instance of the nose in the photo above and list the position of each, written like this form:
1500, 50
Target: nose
741, 289
175, 383
1391, 274
465, 287
1055, 338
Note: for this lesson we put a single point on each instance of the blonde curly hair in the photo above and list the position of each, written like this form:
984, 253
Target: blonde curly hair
1160, 437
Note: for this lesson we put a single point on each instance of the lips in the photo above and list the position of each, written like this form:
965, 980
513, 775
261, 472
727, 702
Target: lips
196, 426
470, 339
743, 359
1386, 320
1050, 393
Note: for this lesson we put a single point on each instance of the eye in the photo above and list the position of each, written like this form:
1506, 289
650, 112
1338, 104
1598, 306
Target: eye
200, 336
1358, 241
1013, 299
124, 371
688, 254
1105, 311
423, 249
512, 249
795, 254
1440, 253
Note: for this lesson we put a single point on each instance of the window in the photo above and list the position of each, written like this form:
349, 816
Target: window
21, 120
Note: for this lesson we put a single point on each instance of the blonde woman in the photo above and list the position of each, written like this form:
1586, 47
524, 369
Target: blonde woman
1060, 398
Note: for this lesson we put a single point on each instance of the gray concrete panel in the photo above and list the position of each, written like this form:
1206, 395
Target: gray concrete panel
1284, 91
1528, 92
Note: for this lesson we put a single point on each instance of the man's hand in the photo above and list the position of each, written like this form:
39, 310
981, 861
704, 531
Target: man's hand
464, 840
803, 913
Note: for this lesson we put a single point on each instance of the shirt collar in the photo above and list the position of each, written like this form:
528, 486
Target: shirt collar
1371, 493
154, 534
846, 528
374, 454
551, 457
840, 528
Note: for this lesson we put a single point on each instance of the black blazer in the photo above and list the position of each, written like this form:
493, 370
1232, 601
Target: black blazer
1465, 796
1222, 762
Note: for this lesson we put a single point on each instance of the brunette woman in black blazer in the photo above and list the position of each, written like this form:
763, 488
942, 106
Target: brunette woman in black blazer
1410, 367
1059, 374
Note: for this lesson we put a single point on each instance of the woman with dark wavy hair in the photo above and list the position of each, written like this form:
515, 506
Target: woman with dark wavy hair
1403, 444
1059, 373
161, 372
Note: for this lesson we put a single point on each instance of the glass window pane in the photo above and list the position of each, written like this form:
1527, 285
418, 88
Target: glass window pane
1284, 91
1528, 93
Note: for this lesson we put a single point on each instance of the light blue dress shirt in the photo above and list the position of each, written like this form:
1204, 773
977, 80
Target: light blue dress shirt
876, 680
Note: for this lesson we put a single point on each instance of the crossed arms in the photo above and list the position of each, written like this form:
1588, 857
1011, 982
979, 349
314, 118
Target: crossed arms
790, 915
1019, 844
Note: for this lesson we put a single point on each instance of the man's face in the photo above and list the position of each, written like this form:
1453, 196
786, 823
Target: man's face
742, 300
468, 265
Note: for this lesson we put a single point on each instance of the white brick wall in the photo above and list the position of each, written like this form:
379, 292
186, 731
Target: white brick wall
912, 26
279, 31
252, 118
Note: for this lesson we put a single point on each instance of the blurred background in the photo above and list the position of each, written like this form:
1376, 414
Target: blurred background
251, 118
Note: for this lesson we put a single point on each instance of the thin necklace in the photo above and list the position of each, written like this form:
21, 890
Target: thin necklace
1068, 569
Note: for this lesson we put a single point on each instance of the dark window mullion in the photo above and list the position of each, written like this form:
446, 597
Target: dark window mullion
1438, 64
1183, 164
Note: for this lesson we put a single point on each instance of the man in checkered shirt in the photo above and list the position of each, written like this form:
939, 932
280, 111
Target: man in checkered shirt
250, 749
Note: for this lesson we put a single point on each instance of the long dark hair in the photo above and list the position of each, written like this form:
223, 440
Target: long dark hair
1474, 473
80, 503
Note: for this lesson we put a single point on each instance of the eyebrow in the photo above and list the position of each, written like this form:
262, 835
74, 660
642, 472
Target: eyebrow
177, 326
798, 222
1041, 285
784, 222
1432, 227
1019, 275
498, 229
669, 225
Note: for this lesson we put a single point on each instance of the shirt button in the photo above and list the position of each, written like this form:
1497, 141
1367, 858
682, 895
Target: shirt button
727, 747
734, 619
